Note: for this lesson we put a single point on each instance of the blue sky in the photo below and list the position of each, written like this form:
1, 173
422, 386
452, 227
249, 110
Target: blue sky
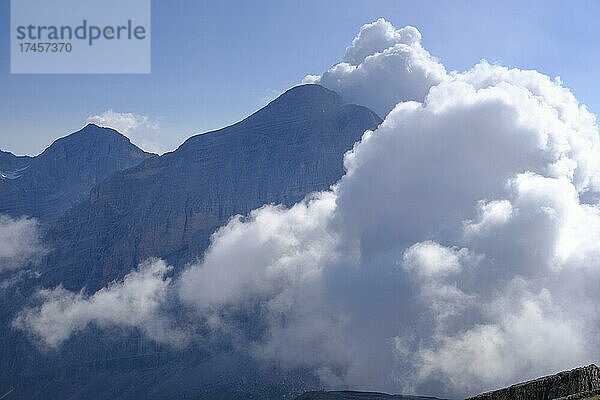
215, 62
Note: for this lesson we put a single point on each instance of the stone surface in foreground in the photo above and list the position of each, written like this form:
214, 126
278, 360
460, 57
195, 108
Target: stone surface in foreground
352, 395
578, 384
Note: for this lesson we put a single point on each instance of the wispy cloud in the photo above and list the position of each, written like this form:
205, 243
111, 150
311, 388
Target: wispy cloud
141, 129
20, 242
136, 301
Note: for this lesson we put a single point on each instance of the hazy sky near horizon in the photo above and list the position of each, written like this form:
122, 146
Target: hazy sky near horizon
214, 63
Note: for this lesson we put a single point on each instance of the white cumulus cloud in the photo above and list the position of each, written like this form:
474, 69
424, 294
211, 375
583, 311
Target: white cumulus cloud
459, 231
383, 66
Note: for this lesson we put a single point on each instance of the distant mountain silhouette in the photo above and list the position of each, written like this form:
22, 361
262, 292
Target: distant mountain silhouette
45, 186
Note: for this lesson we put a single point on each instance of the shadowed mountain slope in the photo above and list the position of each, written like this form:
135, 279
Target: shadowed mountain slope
169, 206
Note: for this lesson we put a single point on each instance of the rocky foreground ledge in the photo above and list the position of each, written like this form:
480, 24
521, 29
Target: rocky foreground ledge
578, 384
352, 395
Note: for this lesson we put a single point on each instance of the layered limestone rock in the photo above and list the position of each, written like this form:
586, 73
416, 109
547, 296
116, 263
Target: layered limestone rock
593, 395
579, 383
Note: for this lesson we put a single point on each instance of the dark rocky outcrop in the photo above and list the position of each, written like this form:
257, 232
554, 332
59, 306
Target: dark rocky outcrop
579, 383
592, 395
354, 395
46, 185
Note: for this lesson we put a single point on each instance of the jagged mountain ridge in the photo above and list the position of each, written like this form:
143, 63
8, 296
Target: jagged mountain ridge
46, 185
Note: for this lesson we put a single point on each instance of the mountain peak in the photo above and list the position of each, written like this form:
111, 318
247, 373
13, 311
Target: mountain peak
63, 174
90, 125
93, 128
309, 97
92, 137
311, 92
287, 115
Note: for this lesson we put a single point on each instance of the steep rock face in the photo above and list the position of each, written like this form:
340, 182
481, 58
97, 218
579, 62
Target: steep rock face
169, 206
584, 381
47, 185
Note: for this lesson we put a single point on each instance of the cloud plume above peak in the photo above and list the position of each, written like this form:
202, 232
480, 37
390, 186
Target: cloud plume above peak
460, 234
383, 66
460, 231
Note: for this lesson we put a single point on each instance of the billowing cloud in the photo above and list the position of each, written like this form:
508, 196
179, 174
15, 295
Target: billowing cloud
294, 243
522, 338
142, 130
20, 242
137, 301
450, 256
382, 67
458, 253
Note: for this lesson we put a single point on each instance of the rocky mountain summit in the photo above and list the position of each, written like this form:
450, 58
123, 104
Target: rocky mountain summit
46, 185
